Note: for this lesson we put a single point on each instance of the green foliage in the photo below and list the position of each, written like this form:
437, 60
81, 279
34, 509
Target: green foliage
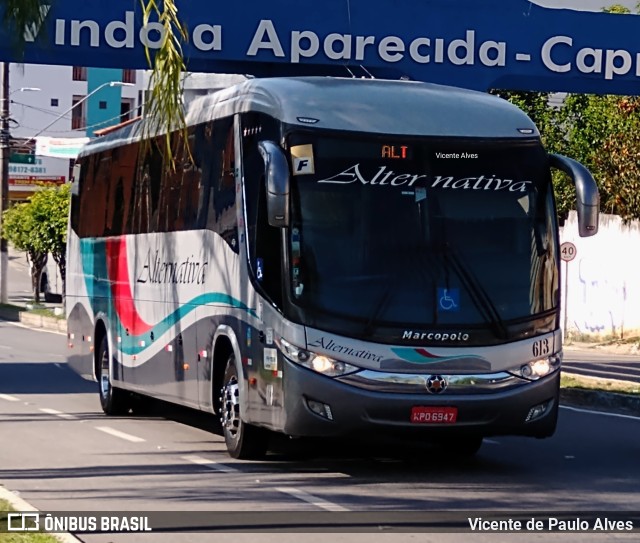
17, 227
49, 209
601, 132
21, 14
16, 537
551, 124
617, 8
164, 107
39, 227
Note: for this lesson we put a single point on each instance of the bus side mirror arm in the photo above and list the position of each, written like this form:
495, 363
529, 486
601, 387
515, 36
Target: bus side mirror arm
277, 181
587, 195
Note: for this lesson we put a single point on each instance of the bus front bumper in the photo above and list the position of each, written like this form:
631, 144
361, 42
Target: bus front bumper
316, 406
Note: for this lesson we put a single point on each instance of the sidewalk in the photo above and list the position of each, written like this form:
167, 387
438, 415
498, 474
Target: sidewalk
20, 295
19, 278
19, 281
630, 348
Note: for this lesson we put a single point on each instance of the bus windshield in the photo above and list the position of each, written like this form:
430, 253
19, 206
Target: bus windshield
406, 232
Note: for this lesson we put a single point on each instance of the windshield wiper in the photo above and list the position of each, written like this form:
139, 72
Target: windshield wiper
382, 304
479, 295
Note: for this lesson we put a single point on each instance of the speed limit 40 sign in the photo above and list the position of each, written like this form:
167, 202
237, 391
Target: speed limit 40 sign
568, 251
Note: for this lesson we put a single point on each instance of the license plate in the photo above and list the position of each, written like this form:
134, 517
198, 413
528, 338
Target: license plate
434, 415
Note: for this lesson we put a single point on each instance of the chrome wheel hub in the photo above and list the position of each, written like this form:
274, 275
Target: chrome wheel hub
230, 416
105, 384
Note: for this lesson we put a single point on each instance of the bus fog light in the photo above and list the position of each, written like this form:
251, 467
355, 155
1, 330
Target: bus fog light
321, 409
537, 411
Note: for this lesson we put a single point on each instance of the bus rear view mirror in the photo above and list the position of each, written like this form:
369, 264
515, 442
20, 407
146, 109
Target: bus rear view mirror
587, 196
277, 180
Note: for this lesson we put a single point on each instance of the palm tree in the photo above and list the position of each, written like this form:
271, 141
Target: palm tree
164, 106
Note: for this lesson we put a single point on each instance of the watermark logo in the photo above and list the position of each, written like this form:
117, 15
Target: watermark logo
23, 522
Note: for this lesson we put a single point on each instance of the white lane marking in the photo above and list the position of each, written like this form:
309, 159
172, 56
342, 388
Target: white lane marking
121, 435
313, 500
9, 398
212, 464
57, 413
491, 441
592, 412
5, 347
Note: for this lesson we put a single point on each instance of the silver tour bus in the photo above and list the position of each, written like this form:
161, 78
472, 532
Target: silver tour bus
329, 257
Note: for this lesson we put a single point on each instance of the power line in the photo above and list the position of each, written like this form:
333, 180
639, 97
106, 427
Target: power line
116, 119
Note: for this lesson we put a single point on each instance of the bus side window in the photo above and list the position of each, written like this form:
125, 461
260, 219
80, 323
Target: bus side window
94, 196
219, 181
147, 188
265, 243
76, 204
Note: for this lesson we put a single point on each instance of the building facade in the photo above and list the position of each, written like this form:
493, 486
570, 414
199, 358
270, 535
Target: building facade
62, 102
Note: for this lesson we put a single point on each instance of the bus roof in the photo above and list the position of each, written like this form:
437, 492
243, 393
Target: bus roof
362, 105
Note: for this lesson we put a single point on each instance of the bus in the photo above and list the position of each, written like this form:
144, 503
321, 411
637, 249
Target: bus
328, 258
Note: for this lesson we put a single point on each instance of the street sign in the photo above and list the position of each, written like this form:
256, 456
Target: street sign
479, 44
20, 158
568, 251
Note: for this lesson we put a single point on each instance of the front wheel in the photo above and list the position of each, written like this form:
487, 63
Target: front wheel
244, 441
114, 401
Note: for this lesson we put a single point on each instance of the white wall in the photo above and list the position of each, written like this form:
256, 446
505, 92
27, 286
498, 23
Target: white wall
603, 282
32, 110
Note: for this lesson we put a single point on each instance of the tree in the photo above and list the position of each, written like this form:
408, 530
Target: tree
39, 227
50, 211
17, 228
550, 120
603, 132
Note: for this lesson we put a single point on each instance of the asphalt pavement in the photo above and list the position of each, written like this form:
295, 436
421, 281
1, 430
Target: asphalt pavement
598, 362
61, 453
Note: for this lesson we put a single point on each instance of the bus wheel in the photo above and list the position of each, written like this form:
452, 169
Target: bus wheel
243, 440
113, 400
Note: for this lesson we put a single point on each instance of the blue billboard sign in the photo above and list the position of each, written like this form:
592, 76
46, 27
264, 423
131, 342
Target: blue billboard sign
479, 44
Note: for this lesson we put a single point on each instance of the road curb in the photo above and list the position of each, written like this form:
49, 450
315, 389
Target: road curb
9, 314
22, 506
41, 321
607, 401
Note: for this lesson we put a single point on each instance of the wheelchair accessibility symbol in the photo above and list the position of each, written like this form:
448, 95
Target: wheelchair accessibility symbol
449, 299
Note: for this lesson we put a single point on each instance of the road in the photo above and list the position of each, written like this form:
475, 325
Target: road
60, 453
596, 363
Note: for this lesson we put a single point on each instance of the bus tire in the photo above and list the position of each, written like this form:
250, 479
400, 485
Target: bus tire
244, 441
114, 401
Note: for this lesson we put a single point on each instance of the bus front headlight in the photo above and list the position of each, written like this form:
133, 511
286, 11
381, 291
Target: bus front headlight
317, 362
538, 368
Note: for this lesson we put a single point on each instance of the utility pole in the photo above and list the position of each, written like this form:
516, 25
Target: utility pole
4, 176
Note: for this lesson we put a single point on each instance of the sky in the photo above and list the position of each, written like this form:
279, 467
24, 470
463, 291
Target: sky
585, 5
